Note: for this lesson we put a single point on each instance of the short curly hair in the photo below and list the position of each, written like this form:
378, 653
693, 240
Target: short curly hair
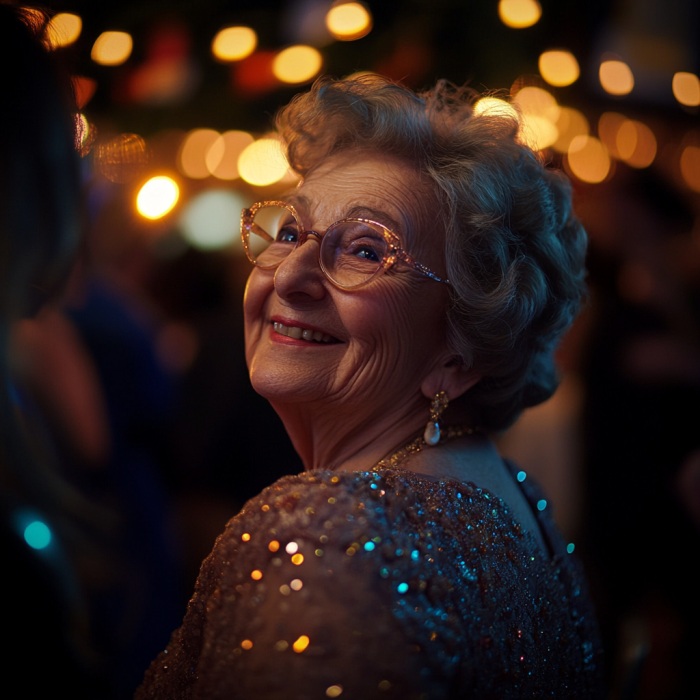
514, 250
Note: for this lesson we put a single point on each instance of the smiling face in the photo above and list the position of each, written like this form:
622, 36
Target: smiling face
367, 349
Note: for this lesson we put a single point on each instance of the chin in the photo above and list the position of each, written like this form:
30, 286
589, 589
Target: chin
282, 385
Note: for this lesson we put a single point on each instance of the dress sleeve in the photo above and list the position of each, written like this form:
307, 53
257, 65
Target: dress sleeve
295, 601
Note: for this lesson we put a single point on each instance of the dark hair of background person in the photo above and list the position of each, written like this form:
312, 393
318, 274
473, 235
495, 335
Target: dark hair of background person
44, 624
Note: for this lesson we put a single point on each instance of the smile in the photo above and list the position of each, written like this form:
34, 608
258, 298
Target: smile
297, 333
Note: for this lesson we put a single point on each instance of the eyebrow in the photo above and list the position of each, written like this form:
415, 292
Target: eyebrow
356, 212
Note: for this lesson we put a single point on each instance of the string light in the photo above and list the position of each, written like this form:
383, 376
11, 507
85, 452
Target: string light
589, 161
297, 64
263, 162
519, 14
686, 89
234, 43
616, 77
157, 197
559, 68
63, 29
349, 21
112, 48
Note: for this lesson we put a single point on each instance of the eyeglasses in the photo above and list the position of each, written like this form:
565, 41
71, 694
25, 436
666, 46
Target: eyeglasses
351, 253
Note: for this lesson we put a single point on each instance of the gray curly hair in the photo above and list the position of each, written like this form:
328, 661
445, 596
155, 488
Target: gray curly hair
514, 250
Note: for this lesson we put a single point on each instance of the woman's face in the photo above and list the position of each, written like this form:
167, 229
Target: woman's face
385, 336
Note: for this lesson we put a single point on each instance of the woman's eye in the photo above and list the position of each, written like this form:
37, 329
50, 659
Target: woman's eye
287, 234
367, 252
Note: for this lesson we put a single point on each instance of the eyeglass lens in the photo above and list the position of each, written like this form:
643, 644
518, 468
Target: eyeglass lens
351, 252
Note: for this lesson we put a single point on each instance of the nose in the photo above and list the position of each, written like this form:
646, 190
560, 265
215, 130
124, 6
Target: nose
299, 276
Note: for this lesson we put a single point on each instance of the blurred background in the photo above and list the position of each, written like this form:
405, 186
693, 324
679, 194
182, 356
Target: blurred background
138, 373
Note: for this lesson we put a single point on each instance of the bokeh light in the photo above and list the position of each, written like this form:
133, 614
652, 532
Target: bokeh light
519, 14
301, 644
234, 43
63, 29
540, 112
157, 197
635, 143
112, 48
538, 102
192, 158
571, 123
608, 126
559, 68
85, 134
211, 220
588, 159
263, 162
616, 77
690, 167
297, 64
686, 89
222, 157
37, 535
349, 21
494, 107
122, 158
537, 132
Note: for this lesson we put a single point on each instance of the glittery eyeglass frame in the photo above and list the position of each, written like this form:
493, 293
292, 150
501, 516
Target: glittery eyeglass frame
395, 253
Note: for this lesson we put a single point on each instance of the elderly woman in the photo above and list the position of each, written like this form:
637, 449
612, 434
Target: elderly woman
405, 303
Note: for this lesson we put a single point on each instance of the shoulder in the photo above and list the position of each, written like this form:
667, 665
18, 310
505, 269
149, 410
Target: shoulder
424, 584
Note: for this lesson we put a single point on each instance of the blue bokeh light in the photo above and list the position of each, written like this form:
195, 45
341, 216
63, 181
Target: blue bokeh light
522, 476
37, 535
541, 505
570, 547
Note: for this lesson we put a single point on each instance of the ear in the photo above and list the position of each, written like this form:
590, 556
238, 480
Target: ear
451, 377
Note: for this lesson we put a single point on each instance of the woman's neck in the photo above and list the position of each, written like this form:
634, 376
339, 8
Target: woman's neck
327, 437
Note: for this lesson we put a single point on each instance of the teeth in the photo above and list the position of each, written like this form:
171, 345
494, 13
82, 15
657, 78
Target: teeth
305, 333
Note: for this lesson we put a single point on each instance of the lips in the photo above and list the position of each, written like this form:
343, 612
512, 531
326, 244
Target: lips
297, 331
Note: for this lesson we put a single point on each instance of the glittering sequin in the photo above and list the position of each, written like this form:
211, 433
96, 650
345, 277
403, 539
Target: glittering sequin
423, 590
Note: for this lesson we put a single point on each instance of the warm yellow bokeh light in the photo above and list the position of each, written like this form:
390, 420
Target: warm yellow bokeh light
222, 156
686, 88
537, 132
588, 159
690, 167
301, 644
534, 101
297, 64
349, 21
262, 163
519, 14
616, 77
571, 123
494, 107
192, 159
608, 126
635, 144
157, 197
234, 43
112, 48
63, 29
559, 68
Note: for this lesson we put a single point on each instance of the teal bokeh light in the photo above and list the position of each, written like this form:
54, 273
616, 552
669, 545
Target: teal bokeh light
37, 535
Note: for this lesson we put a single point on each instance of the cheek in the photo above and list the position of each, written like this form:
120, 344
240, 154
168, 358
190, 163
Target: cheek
257, 291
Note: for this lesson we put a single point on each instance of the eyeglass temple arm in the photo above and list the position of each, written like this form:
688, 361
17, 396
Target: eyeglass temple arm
254, 228
420, 267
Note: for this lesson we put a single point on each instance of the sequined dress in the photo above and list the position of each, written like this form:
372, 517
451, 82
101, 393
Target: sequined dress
370, 585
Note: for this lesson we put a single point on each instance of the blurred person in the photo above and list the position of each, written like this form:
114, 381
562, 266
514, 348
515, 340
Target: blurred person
423, 270
103, 585
640, 415
45, 623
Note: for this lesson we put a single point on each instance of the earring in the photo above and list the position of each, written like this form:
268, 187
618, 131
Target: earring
432, 429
